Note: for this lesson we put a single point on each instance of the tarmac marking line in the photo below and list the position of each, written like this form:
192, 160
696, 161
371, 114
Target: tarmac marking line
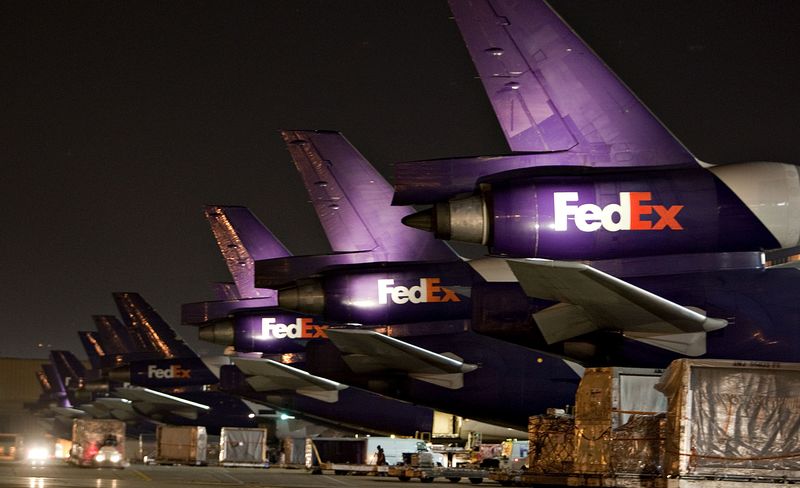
235, 480
142, 475
334, 480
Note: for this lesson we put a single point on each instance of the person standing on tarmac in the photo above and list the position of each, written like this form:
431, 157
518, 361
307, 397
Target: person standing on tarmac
380, 458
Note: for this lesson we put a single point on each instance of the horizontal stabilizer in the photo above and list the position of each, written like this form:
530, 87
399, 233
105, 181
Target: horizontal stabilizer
109, 407
591, 300
366, 351
272, 273
187, 413
95, 411
269, 375
69, 412
119, 408
114, 403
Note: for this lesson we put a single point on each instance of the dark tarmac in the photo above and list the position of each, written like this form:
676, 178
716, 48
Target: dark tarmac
142, 476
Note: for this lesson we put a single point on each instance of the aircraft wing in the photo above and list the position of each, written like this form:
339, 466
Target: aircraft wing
353, 201
366, 351
69, 412
269, 375
147, 401
591, 300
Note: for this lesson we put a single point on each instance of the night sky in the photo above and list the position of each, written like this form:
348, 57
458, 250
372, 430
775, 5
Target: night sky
120, 120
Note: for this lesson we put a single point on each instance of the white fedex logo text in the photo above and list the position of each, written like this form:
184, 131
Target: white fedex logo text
302, 328
625, 215
174, 371
428, 291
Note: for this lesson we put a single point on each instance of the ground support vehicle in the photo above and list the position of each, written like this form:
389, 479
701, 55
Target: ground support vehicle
10, 447
98, 443
428, 474
358, 455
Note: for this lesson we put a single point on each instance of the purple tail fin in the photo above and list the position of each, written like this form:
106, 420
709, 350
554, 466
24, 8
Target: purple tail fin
160, 337
68, 367
558, 104
91, 345
44, 382
550, 92
243, 239
57, 391
53, 378
353, 201
226, 291
115, 337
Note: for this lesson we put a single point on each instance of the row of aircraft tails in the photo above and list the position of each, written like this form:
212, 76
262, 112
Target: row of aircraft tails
608, 243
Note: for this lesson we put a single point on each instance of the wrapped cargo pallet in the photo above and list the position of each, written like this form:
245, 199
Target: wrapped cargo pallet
637, 447
732, 419
181, 444
605, 400
293, 453
243, 447
552, 444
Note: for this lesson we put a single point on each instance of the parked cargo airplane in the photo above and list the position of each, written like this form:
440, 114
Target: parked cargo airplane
151, 375
409, 364
275, 332
592, 173
600, 318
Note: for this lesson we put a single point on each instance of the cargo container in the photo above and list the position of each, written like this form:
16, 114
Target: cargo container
181, 444
606, 399
728, 424
10, 447
292, 453
733, 420
98, 443
243, 447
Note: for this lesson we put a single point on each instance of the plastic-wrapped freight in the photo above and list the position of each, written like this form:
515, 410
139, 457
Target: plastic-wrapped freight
605, 400
732, 418
181, 444
638, 446
551, 439
294, 452
243, 447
